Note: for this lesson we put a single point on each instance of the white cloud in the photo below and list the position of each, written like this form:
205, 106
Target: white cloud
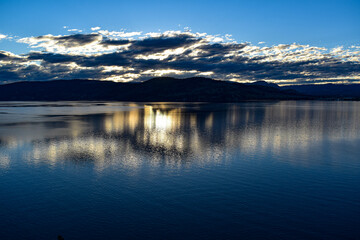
2, 36
74, 30
337, 50
217, 39
121, 34
229, 37
95, 28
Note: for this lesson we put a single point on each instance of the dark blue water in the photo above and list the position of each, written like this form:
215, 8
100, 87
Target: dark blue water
273, 170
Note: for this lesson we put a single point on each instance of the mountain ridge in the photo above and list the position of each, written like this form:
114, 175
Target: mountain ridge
195, 89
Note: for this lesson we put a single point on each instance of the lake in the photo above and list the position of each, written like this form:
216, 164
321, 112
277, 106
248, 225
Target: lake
109, 170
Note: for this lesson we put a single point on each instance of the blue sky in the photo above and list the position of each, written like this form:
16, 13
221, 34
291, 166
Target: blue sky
328, 24
323, 23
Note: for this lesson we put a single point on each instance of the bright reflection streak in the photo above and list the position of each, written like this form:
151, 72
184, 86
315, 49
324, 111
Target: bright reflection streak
162, 121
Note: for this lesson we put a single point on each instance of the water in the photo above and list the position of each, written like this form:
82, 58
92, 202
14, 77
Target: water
257, 170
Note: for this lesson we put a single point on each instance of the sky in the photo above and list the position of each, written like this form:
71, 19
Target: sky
286, 42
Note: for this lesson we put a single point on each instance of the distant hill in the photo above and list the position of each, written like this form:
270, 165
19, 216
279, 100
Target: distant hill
156, 90
264, 83
328, 90
323, 91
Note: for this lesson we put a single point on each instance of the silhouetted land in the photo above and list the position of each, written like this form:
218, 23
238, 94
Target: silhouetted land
156, 89
347, 91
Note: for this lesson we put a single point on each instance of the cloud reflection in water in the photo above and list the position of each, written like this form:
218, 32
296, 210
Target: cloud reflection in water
123, 135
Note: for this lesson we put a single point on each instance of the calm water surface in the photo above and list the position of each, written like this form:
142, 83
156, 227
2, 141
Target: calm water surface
260, 170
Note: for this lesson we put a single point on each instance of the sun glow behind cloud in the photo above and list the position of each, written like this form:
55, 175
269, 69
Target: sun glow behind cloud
136, 56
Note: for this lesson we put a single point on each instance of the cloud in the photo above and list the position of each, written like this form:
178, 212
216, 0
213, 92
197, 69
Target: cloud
51, 57
76, 43
2, 36
65, 41
8, 56
121, 34
161, 43
74, 30
126, 56
112, 42
95, 28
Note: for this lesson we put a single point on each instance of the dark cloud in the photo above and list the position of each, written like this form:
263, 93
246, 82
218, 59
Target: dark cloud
111, 42
162, 43
6, 75
217, 49
52, 57
74, 40
3, 55
109, 59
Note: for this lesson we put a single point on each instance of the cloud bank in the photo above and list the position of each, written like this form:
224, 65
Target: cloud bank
138, 56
